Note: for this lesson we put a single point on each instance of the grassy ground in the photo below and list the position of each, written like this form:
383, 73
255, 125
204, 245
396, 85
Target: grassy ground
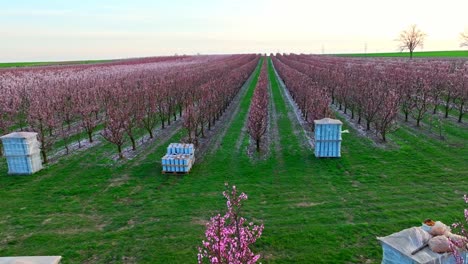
47, 63
418, 54
90, 209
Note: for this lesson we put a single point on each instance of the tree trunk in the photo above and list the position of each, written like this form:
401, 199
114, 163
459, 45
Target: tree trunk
368, 125
44, 156
410, 54
90, 136
150, 131
460, 115
406, 116
447, 106
418, 121
132, 139
258, 145
119, 149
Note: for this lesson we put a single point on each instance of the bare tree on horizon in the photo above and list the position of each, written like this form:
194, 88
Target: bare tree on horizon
411, 39
464, 37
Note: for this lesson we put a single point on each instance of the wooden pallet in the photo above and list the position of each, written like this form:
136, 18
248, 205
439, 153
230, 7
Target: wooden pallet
175, 172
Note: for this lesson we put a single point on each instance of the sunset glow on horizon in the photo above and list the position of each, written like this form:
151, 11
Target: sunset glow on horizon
58, 30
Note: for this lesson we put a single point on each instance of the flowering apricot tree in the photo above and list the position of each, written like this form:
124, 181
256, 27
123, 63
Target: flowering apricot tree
258, 113
228, 237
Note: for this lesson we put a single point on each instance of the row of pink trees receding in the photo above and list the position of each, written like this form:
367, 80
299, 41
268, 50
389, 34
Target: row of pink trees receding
258, 112
205, 104
311, 97
119, 98
375, 90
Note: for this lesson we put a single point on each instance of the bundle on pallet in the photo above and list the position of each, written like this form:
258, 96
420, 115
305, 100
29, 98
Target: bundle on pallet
180, 148
328, 137
22, 151
179, 158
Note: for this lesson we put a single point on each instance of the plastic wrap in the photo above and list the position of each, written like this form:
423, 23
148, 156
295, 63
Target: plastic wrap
397, 249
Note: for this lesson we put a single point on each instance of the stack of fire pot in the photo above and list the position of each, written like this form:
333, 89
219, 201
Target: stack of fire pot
179, 158
22, 152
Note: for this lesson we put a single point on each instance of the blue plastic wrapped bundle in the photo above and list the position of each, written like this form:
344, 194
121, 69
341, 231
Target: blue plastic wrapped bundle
327, 138
173, 161
163, 163
22, 151
24, 164
177, 163
179, 158
169, 162
179, 148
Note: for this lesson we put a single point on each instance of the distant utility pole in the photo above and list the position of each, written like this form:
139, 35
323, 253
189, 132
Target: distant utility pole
365, 48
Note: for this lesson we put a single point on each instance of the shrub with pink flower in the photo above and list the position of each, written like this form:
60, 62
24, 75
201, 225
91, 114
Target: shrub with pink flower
460, 245
229, 237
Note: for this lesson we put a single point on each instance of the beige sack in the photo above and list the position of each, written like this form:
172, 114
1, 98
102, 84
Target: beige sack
439, 229
439, 244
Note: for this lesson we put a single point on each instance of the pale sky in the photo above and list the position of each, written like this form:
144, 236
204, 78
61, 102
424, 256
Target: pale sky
48, 30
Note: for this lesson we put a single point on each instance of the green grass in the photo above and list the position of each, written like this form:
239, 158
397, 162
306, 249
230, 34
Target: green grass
418, 54
48, 63
89, 208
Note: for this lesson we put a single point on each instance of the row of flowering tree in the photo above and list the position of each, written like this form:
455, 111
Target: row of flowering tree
258, 112
375, 90
119, 98
311, 97
209, 100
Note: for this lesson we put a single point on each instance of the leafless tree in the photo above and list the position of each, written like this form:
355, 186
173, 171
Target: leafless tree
410, 39
464, 38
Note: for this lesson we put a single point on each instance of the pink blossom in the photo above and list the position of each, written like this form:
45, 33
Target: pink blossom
228, 237
458, 245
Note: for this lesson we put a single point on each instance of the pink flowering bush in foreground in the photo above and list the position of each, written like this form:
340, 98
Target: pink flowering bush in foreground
228, 237
460, 244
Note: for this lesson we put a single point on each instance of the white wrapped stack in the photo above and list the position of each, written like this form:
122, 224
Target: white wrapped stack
179, 158
180, 148
22, 151
327, 138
